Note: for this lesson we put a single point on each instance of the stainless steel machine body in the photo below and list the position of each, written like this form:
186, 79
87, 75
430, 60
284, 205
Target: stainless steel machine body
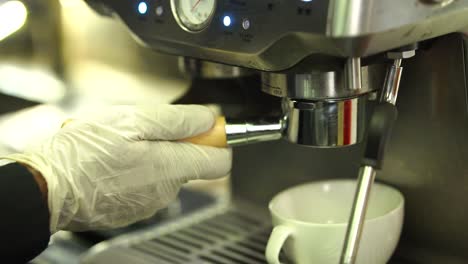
320, 56
284, 33
326, 40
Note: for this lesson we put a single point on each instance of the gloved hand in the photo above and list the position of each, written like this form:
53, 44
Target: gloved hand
123, 165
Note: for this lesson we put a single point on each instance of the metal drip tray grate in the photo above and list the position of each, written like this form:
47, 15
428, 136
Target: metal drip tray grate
228, 237
223, 235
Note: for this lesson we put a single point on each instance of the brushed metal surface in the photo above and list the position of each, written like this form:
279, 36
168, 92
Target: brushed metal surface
335, 28
318, 85
428, 154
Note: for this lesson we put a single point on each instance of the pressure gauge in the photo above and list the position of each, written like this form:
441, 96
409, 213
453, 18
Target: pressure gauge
193, 15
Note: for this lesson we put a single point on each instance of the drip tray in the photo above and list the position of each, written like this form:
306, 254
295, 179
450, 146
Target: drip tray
217, 236
222, 235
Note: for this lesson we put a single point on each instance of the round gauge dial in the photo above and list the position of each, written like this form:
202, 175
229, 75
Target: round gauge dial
193, 15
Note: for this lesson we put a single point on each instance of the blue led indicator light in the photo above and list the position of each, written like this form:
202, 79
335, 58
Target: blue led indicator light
227, 21
142, 8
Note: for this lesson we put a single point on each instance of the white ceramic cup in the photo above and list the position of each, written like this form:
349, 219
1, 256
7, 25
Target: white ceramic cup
310, 222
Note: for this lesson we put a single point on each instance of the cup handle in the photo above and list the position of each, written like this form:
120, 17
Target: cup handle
275, 243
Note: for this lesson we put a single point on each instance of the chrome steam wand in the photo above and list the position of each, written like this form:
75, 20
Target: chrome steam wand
378, 133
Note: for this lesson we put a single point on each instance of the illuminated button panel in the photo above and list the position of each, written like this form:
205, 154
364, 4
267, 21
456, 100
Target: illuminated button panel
237, 32
196, 15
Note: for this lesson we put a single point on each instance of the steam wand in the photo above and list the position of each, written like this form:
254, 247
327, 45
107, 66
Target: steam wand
379, 129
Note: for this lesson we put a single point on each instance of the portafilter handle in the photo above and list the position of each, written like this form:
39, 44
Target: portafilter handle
232, 132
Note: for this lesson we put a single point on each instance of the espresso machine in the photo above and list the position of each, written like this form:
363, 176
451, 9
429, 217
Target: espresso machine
328, 71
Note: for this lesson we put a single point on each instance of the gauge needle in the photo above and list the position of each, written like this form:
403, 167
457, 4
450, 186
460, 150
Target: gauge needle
195, 5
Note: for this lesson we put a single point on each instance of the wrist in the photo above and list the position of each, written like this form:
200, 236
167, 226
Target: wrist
41, 182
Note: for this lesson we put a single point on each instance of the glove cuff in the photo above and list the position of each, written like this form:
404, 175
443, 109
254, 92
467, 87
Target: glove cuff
37, 163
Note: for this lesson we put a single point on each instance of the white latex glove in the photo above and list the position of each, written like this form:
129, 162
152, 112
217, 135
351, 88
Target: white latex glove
123, 165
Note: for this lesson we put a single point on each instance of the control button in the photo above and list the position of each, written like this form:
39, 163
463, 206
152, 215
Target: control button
227, 21
142, 8
246, 23
159, 11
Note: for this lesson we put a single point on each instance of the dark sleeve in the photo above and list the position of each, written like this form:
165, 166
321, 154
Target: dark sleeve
24, 216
